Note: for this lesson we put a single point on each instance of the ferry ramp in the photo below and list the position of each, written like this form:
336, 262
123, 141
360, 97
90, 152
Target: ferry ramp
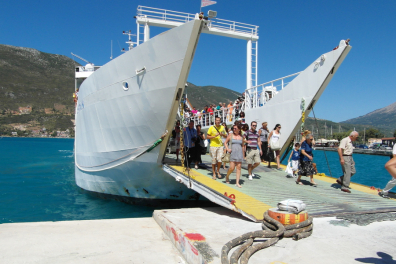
270, 186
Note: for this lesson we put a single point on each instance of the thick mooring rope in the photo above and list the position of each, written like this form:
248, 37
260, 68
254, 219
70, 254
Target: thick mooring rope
271, 229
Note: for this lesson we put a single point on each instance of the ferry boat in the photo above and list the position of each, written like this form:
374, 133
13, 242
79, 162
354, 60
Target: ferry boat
126, 105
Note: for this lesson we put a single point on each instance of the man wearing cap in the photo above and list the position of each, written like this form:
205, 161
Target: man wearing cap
345, 151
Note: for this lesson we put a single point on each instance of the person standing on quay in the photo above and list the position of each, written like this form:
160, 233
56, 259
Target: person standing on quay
345, 151
390, 166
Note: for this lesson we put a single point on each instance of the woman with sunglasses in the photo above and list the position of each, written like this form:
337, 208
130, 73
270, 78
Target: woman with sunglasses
236, 157
273, 138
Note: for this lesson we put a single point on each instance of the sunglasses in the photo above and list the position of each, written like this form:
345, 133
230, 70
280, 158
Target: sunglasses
254, 125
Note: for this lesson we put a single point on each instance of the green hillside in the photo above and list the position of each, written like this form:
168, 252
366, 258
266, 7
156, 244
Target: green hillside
200, 96
31, 77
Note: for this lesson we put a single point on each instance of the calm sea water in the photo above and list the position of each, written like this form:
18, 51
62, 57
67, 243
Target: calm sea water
369, 168
37, 182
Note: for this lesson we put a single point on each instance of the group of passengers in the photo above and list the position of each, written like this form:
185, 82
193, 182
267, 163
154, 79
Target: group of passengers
205, 117
239, 143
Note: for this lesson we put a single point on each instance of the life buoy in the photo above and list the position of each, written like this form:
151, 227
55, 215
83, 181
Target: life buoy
287, 218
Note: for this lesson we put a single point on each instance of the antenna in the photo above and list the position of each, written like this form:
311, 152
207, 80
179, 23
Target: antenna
111, 50
129, 42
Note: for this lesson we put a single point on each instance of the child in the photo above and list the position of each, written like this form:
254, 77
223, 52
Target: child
295, 157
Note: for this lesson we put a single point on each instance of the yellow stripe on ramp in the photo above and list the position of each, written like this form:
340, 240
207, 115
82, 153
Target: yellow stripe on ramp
243, 202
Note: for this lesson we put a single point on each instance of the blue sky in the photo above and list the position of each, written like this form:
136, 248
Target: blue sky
292, 35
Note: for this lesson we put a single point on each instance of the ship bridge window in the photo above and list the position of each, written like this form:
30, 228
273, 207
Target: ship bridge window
125, 86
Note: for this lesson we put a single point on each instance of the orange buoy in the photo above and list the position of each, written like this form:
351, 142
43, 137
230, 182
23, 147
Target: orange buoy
287, 218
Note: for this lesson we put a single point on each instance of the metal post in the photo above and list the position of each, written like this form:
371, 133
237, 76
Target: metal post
146, 32
138, 34
256, 70
249, 65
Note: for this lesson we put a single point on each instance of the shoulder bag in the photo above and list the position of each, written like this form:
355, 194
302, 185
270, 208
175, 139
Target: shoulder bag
275, 145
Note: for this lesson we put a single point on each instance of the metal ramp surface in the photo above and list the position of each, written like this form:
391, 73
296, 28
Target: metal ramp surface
270, 186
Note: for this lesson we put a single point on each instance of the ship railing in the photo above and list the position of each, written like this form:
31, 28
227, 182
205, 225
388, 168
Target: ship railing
163, 14
180, 17
259, 95
228, 116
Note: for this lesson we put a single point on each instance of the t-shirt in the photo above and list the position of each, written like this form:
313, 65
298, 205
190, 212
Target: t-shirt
394, 149
308, 149
188, 135
251, 136
296, 155
346, 146
216, 142
210, 110
218, 107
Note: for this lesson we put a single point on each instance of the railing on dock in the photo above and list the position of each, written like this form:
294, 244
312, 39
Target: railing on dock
259, 95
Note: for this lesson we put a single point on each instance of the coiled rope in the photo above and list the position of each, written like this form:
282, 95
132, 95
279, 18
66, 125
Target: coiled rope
273, 230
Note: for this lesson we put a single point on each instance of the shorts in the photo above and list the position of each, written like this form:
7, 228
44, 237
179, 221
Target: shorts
295, 165
253, 156
216, 153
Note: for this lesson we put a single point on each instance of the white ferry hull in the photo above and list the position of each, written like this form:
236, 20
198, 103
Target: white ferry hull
116, 122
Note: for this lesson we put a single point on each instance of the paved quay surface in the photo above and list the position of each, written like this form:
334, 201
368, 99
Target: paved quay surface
135, 240
329, 243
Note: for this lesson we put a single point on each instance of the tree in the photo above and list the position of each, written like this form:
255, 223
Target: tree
374, 133
54, 134
341, 135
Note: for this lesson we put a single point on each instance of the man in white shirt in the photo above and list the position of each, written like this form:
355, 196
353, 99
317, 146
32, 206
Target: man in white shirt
345, 151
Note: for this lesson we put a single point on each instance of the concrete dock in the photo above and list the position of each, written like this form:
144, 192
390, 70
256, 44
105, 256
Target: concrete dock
136, 240
194, 235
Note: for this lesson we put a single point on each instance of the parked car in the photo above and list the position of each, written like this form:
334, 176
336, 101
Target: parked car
385, 147
362, 147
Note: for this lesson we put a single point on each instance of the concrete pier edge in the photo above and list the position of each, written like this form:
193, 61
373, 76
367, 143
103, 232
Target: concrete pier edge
178, 238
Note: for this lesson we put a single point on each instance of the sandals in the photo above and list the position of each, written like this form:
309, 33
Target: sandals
299, 183
219, 175
238, 185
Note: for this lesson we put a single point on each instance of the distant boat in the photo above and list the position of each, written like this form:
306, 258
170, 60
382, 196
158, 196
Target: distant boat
126, 105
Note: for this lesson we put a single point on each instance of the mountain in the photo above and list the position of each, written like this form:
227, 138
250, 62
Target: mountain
200, 96
29, 77
384, 118
328, 129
